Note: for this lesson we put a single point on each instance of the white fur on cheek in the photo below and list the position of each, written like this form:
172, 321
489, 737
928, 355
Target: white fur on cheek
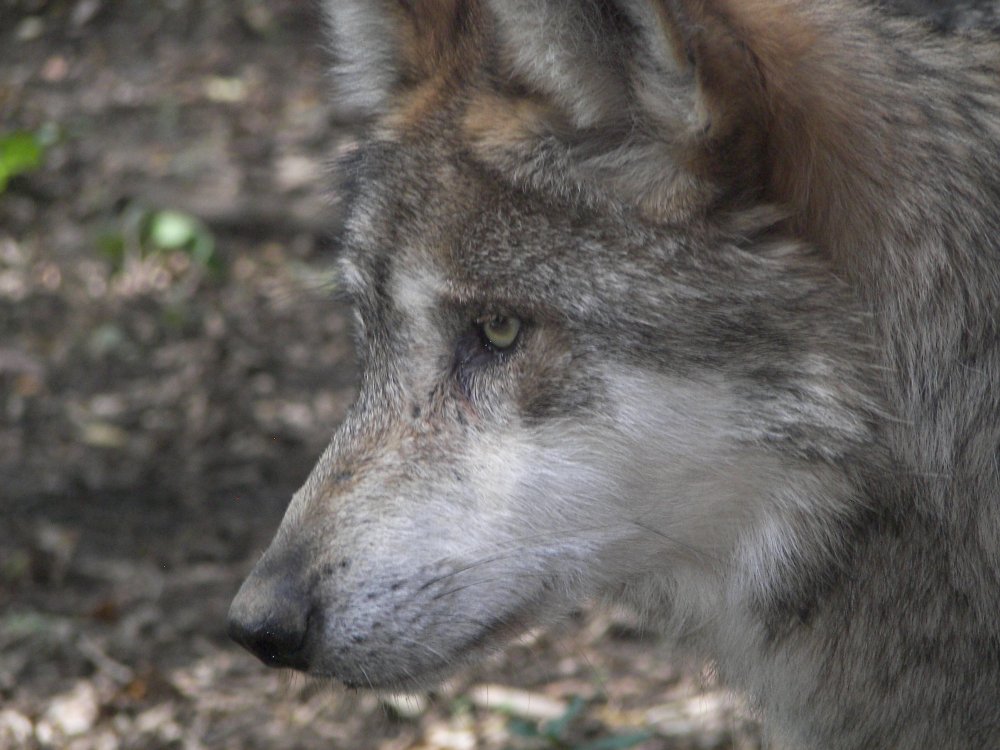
660, 491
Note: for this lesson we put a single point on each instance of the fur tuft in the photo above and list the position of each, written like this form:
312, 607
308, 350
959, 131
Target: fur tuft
364, 43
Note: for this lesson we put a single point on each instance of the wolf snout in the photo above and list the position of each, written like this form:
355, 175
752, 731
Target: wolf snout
270, 618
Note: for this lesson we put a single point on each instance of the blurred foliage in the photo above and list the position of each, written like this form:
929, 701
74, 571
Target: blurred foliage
552, 734
23, 151
144, 232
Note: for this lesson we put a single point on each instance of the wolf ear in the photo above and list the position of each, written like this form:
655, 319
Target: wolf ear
575, 53
381, 47
713, 101
664, 105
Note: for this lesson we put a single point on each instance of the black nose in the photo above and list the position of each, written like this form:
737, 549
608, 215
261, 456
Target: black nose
270, 618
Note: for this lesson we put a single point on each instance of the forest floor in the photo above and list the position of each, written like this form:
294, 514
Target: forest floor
161, 401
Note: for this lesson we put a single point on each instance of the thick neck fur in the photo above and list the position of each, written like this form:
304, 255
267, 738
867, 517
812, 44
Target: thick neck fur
897, 177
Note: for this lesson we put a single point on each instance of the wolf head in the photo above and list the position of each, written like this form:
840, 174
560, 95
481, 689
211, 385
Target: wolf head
592, 364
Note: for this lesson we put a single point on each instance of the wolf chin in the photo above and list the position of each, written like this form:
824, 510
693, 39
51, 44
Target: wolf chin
691, 305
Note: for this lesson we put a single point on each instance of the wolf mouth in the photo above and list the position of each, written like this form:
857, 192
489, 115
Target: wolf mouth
491, 635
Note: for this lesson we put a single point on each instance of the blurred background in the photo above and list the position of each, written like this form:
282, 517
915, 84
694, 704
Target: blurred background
171, 364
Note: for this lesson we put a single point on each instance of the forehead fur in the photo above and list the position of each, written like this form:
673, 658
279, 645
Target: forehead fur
437, 207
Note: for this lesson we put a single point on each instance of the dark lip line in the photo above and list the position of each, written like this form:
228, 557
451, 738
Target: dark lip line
501, 628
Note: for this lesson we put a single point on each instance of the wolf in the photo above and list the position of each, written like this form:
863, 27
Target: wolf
691, 305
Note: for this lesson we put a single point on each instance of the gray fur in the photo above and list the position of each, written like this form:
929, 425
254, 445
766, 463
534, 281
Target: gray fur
565, 51
759, 405
364, 46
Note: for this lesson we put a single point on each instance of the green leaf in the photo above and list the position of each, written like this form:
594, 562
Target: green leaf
20, 152
173, 230
176, 230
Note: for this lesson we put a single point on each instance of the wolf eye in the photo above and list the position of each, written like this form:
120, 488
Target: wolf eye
500, 331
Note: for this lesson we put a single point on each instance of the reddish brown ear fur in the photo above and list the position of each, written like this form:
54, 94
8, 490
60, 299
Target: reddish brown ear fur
437, 47
432, 39
782, 66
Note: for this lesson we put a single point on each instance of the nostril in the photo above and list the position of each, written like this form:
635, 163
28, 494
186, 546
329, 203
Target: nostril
278, 642
270, 617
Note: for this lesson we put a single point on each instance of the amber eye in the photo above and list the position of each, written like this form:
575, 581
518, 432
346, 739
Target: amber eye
501, 331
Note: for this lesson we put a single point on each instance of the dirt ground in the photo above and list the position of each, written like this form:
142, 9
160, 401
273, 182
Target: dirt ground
157, 408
